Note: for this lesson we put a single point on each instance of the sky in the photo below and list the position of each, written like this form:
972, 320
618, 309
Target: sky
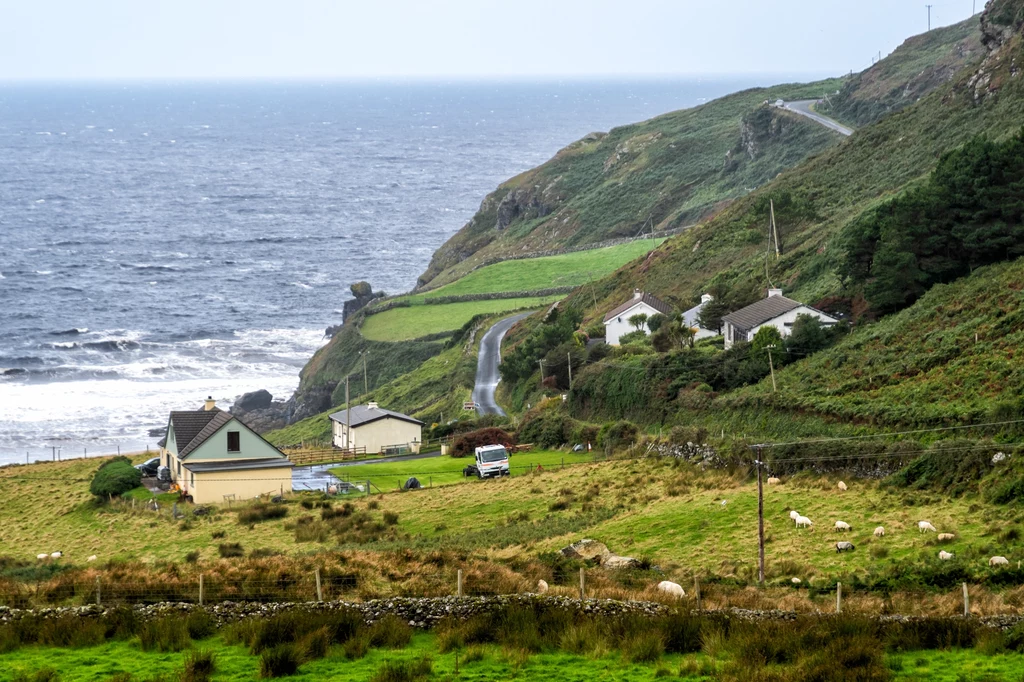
340, 39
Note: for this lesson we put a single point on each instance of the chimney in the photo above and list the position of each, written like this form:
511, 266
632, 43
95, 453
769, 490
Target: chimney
637, 294
372, 405
706, 298
210, 403
774, 292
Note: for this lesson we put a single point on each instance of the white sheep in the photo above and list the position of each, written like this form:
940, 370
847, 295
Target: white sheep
942, 537
803, 522
842, 486
542, 586
774, 481
794, 514
844, 547
944, 555
998, 561
795, 581
880, 532
841, 526
42, 557
56, 555
671, 588
91, 558
925, 526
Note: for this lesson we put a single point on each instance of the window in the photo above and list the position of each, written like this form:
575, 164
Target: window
234, 441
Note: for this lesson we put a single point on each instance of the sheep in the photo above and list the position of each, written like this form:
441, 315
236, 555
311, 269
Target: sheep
774, 481
671, 588
925, 526
942, 537
944, 555
998, 561
794, 514
542, 586
803, 522
56, 555
842, 486
841, 526
795, 581
42, 557
92, 558
879, 532
844, 547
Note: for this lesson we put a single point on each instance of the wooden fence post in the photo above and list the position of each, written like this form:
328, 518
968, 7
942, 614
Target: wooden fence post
583, 584
458, 586
200, 589
839, 597
696, 591
319, 589
967, 603
98, 601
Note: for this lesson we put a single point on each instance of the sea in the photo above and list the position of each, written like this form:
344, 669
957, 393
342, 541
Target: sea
165, 242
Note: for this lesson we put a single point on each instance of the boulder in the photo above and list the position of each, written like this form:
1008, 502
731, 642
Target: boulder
613, 562
363, 294
254, 400
586, 550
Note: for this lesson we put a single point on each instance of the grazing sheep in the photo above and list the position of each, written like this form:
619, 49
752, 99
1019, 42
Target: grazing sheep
542, 586
879, 532
944, 555
842, 486
998, 561
803, 522
841, 526
794, 514
773, 481
942, 537
56, 555
674, 589
844, 547
925, 526
725, 502
42, 557
92, 558
795, 581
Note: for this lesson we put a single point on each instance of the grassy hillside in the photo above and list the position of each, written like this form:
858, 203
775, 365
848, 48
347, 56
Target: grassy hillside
403, 324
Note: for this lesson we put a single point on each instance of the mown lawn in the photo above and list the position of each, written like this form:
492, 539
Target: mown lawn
402, 324
570, 269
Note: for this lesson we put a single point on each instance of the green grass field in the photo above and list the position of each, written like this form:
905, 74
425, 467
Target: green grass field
570, 269
401, 324
438, 471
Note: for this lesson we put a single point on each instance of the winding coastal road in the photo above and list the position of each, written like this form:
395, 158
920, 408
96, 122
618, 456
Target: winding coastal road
487, 375
803, 107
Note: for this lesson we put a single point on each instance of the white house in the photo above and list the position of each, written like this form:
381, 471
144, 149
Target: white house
376, 429
214, 456
616, 323
775, 311
690, 319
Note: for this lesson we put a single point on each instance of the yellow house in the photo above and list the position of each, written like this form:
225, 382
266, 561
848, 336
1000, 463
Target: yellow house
376, 429
214, 457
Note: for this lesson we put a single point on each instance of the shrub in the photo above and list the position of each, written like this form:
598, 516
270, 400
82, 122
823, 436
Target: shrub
261, 512
390, 632
356, 647
390, 518
327, 513
115, 478
279, 661
164, 634
403, 671
192, 557
617, 434
200, 624
644, 646
315, 644
466, 444
230, 549
199, 666
217, 534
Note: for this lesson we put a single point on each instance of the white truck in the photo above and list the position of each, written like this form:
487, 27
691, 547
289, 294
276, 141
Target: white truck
489, 461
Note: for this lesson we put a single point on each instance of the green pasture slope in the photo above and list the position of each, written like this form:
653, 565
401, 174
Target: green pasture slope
403, 324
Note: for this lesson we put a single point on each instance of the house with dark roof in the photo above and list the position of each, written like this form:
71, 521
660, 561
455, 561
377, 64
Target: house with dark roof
690, 319
377, 430
617, 324
773, 311
214, 456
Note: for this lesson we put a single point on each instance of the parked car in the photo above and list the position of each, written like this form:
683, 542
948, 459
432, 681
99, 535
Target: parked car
149, 467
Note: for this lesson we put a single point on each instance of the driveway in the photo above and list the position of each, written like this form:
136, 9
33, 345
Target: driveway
487, 375
803, 107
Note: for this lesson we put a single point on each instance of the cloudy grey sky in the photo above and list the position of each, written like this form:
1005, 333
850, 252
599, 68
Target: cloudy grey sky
328, 39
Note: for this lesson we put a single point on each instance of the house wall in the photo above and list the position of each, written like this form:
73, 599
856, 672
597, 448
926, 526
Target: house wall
619, 326
211, 486
215, 449
377, 434
784, 323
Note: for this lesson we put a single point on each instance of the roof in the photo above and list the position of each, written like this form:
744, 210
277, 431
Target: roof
764, 310
364, 414
237, 465
187, 425
690, 316
654, 302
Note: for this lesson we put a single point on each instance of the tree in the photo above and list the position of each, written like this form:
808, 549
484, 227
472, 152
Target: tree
638, 321
114, 478
655, 321
711, 313
809, 335
766, 336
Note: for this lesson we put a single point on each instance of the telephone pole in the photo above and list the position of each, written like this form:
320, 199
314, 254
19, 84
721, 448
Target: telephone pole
929, 16
568, 359
348, 419
366, 385
760, 517
541, 363
771, 366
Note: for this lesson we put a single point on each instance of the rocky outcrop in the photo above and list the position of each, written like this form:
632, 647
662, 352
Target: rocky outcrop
759, 128
260, 412
594, 551
526, 203
1001, 23
362, 295
254, 400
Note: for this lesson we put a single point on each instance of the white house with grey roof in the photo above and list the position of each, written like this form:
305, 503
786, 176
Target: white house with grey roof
774, 311
377, 430
213, 456
617, 324
690, 319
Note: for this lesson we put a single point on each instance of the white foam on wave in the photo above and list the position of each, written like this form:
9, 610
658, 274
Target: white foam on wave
301, 285
44, 272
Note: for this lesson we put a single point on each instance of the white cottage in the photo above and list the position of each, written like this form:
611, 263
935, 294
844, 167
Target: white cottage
616, 323
376, 429
774, 311
690, 319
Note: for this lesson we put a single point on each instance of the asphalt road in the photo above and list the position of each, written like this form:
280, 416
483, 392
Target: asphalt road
487, 375
803, 107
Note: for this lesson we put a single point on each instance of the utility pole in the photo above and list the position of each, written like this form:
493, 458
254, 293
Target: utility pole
592, 291
366, 385
348, 419
929, 16
541, 363
568, 359
760, 517
771, 366
775, 229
